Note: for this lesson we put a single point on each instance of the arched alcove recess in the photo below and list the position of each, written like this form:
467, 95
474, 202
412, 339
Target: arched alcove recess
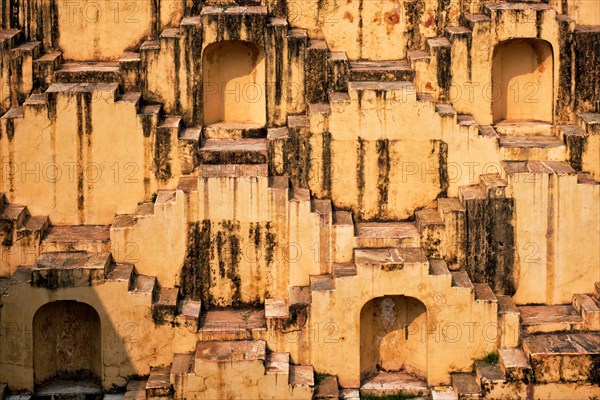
66, 342
234, 83
522, 78
393, 336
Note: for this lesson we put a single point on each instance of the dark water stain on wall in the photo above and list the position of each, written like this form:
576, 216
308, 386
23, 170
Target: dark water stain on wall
442, 149
326, 165
360, 173
195, 273
383, 177
491, 243
587, 70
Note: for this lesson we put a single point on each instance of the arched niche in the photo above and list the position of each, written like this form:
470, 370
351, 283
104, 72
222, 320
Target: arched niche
522, 78
393, 336
66, 342
234, 83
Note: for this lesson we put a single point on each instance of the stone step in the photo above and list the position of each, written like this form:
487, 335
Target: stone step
343, 237
426, 98
532, 148
588, 307
234, 151
165, 197
149, 46
584, 178
135, 390
69, 389
299, 295
159, 383
488, 131
189, 313
491, 8
44, 67
327, 388
381, 71
433, 232
470, 192
484, 293
493, 185
235, 130
508, 322
121, 272
91, 238
302, 376
9, 38
515, 364
570, 132
460, 279
563, 357
232, 324
393, 384
401, 91
164, 305
437, 42
188, 184
320, 283
386, 234
144, 284
31, 49
417, 56
277, 311
392, 259
538, 167
438, 267
88, 72
488, 375
229, 352
15, 214
70, 269
278, 364
590, 122
316, 68
511, 128
453, 213
134, 98
338, 71
453, 33
322, 207
344, 270
445, 110
443, 393
466, 386
109, 90
554, 318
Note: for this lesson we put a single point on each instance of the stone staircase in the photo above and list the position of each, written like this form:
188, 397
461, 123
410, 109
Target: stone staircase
272, 374
540, 348
21, 235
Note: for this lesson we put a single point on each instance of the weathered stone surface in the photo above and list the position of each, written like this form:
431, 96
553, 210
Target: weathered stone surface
515, 364
466, 386
230, 351
232, 324
536, 319
563, 356
394, 383
378, 235
70, 269
327, 388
